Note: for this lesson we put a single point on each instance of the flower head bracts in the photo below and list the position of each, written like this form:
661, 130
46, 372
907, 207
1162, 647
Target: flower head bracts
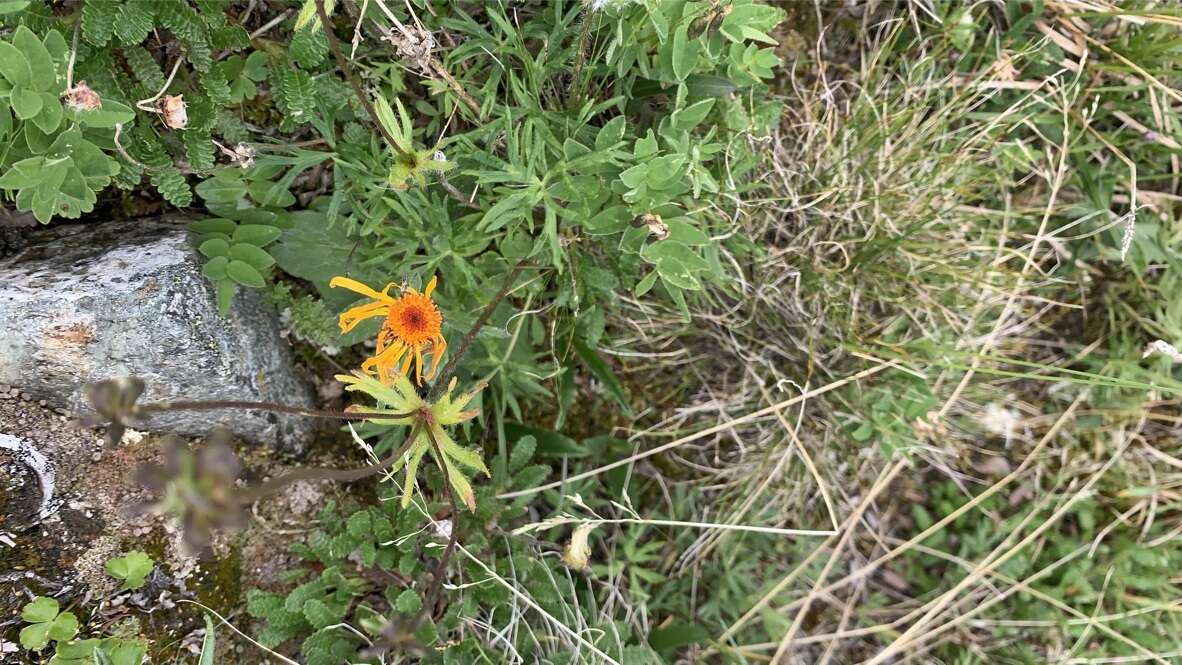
428, 422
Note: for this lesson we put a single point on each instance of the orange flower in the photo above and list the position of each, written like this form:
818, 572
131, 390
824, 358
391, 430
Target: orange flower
412, 325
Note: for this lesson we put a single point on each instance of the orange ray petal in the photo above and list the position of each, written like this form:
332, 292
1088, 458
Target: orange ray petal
357, 287
430, 286
351, 317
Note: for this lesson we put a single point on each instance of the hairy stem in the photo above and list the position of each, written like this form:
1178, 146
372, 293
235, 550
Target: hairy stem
336, 475
199, 405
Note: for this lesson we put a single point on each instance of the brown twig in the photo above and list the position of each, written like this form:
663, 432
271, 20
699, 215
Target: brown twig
343, 65
199, 405
445, 375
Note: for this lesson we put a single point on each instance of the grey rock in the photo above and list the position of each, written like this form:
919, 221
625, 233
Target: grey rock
86, 302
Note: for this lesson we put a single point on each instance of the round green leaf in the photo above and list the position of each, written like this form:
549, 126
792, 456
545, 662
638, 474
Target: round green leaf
35, 637
215, 247
64, 627
51, 113
13, 65
244, 274
213, 225
256, 234
25, 103
41, 609
216, 268
258, 258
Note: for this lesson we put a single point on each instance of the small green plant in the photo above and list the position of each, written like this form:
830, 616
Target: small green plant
46, 622
133, 568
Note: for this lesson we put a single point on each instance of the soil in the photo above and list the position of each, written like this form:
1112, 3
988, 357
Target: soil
63, 554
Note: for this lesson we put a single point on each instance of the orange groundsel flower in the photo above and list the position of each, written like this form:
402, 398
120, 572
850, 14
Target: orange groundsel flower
412, 325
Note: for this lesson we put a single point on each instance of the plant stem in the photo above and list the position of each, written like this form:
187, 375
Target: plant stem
343, 64
445, 375
198, 405
336, 475
437, 577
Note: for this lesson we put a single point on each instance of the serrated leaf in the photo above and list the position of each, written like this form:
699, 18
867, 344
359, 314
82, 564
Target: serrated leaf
245, 274
35, 637
548, 441
522, 453
408, 602
40, 610
64, 627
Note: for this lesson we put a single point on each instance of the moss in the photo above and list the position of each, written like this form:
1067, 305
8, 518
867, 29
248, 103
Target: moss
218, 581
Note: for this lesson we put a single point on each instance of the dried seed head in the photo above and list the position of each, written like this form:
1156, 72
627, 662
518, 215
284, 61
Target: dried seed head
577, 554
656, 225
244, 155
82, 98
175, 114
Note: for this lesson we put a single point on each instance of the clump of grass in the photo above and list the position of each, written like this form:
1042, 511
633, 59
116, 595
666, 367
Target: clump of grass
953, 210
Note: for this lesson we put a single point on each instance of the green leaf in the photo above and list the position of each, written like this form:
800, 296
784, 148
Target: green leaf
677, 635
40, 609
408, 602
681, 231
12, 6
64, 627
213, 225
245, 274
221, 190
256, 257
13, 65
215, 247
215, 269
549, 442
207, 644
35, 637
51, 113
611, 134
225, 295
604, 373
43, 75
256, 234
522, 453
645, 284
685, 53
111, 113
25, 103
133, 568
